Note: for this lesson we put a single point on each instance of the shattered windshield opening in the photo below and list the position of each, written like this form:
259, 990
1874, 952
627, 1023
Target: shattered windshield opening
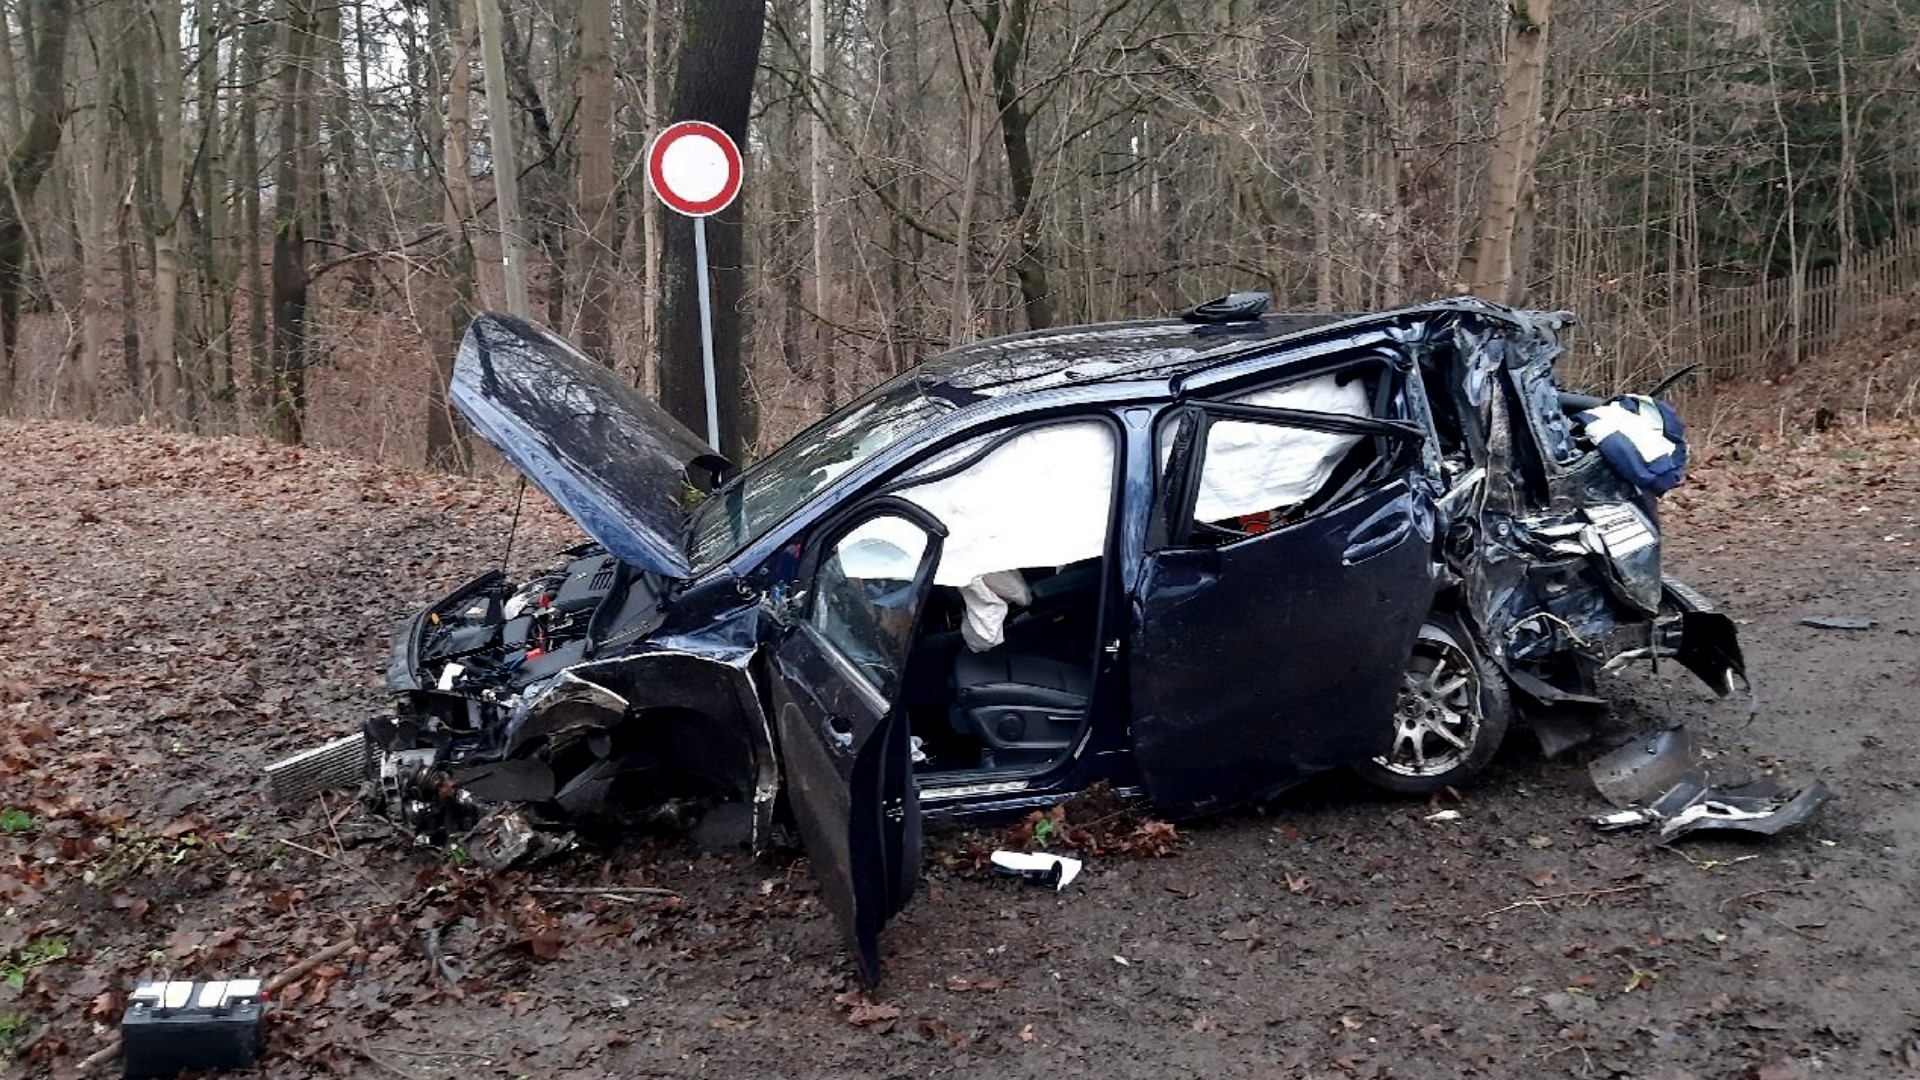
776, 486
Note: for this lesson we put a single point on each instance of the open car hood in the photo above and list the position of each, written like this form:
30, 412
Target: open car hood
599, 448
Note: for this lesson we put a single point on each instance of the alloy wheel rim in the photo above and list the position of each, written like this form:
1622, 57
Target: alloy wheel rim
1436, 719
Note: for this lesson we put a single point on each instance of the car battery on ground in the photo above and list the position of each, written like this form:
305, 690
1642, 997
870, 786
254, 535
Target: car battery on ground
171, 1027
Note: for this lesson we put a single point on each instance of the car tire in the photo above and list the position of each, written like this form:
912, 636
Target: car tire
1449, 717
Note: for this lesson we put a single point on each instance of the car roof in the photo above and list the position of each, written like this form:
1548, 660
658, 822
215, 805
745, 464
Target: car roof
1137, 349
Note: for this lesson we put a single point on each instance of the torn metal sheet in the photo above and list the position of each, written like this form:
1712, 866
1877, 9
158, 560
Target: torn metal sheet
1658, 780
1640, 772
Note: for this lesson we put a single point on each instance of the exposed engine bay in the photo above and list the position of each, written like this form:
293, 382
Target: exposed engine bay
498, 633
495, 718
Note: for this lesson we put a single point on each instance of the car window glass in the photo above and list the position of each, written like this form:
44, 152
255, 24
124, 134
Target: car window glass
1040, 497
776, 486
866, 597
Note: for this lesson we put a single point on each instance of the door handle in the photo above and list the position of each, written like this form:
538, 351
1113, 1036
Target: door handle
1375, 536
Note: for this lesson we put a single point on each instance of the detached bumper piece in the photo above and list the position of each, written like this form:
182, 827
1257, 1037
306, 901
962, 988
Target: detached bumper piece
175, 1027
1658, 780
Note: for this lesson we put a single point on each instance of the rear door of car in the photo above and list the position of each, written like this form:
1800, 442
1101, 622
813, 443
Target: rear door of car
1269, 647
835, 692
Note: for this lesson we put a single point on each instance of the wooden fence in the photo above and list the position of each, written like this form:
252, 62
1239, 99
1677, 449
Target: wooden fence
1768, 326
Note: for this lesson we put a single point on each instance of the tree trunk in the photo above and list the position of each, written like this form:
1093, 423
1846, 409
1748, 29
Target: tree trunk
960, 325
817, 184
292, 205
719, 50
1009, 51
1323, 125
88, 398
255, 41
599, 234
1844, 184
27, 164
345, 219
651, 211
540, 205
9, 85
506, 169
1392, 285
213, 341
1489, 272
447, 446
888, 77
170, 402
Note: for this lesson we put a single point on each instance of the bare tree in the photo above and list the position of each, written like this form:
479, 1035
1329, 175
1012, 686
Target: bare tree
282, 386
719, 48
1489, 270
27, 164
506, 167
598, 235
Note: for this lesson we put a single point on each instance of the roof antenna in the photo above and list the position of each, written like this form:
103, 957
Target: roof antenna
520, 496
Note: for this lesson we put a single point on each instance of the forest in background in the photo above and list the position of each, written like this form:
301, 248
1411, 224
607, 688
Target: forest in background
275, 216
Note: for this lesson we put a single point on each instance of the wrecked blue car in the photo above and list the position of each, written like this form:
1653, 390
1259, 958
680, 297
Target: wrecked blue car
1198, 558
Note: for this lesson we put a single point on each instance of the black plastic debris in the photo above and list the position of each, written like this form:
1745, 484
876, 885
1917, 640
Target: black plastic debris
1232, 308
1658, 780
1763, 807
1838, 622
175, 1027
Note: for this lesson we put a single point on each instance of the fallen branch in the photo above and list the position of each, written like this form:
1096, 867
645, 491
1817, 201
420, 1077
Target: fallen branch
385, 893
474, 1054
1585, 896
1749, 897
305, 967
601, 890
332, 952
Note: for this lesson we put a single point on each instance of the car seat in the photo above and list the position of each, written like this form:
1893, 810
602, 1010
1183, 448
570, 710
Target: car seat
1024, 706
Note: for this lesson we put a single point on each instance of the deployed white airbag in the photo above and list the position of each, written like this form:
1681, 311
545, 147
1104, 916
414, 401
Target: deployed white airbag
1251, 467
1039, 499
986, 598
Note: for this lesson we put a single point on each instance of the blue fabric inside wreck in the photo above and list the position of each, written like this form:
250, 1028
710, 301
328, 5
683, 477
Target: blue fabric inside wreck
1642, 439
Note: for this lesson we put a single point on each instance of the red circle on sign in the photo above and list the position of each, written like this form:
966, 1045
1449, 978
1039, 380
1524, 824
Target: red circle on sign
694, 167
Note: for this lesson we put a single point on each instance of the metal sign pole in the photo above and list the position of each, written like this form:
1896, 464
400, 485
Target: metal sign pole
695, 168
706, 332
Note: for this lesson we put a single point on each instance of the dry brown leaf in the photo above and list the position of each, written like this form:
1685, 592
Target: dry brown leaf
961, 984
876, 1016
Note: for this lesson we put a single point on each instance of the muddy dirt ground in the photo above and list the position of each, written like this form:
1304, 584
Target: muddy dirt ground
185, 611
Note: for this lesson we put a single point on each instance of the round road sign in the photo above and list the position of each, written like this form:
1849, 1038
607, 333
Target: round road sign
694, 168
